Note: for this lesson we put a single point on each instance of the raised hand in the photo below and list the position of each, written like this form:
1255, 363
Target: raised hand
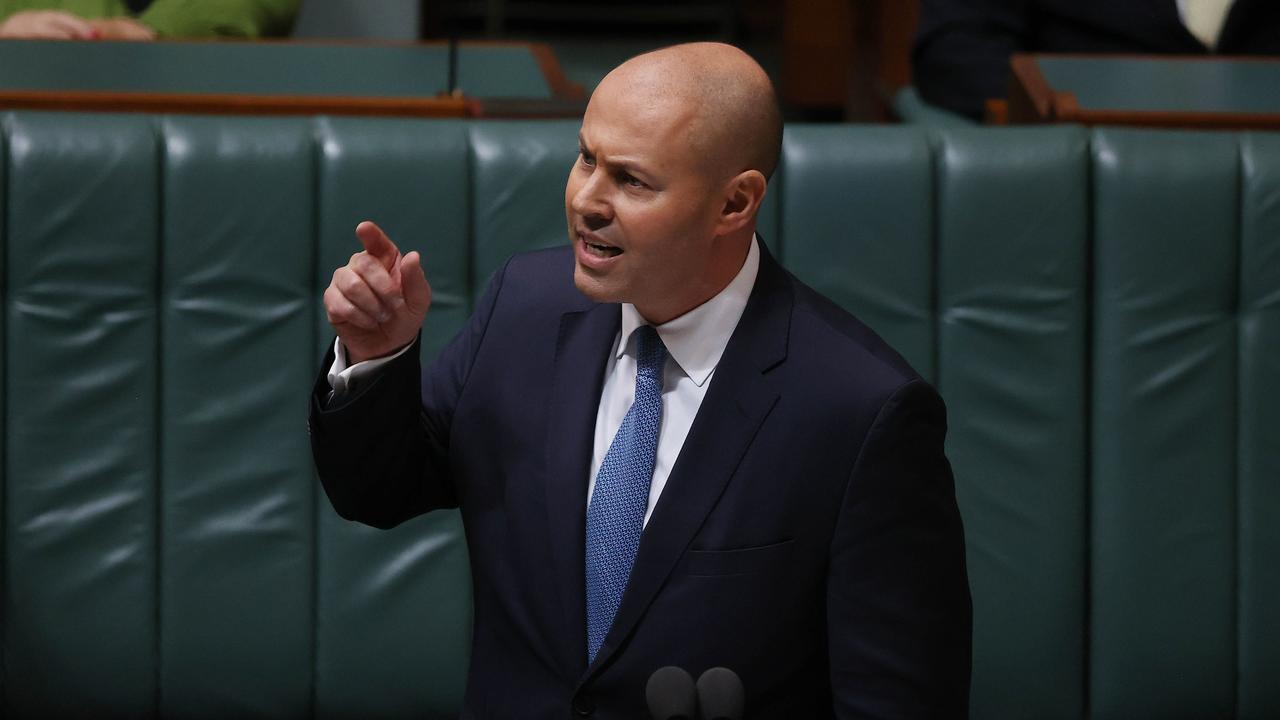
377, 301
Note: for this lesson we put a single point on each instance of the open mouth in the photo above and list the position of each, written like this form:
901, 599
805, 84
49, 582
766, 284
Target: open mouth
600, 249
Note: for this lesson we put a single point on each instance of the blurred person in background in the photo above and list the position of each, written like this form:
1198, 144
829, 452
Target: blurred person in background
145, 19
962, 49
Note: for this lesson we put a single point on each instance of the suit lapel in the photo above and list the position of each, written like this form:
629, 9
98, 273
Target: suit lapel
582, 350
1156, 23
1242, 17
736, 403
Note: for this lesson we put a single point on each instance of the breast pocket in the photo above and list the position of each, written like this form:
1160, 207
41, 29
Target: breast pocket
738, 561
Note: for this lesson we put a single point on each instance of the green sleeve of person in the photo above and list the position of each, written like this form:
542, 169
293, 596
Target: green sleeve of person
87, 9
225, 18
182, 18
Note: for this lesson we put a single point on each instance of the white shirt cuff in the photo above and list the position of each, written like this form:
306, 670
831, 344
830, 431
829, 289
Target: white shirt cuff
344, 379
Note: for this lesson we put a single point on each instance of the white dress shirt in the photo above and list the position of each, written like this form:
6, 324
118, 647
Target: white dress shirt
1205, 18
694, 341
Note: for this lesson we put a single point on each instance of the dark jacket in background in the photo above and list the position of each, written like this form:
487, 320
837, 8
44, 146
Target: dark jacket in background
962, 49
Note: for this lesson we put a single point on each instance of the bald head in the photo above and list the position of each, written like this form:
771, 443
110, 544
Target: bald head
661, 203
724, 96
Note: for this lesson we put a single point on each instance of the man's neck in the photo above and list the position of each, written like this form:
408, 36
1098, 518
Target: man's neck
725, 270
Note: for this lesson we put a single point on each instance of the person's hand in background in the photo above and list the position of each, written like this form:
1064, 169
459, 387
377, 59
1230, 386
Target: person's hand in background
122, 28
376, 302
47, 25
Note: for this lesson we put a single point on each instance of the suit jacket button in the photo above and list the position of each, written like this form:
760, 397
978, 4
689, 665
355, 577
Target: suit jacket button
583, 705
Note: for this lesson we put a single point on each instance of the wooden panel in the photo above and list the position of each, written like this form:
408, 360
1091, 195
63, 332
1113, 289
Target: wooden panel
388, 79
1215, 97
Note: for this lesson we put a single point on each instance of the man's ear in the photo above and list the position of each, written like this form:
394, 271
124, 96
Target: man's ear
744, 193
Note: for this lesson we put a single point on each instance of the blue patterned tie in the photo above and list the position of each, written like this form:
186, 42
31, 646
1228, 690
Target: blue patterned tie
616, 514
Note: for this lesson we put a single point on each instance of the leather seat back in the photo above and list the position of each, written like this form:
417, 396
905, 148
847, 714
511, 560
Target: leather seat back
1101, 311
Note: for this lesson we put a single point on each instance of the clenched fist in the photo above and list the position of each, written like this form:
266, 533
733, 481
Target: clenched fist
377, 301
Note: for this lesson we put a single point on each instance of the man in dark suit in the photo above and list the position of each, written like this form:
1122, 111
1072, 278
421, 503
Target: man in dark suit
667, 450
962, 49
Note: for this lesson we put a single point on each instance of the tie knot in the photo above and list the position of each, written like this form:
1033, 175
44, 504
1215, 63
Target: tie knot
650, 353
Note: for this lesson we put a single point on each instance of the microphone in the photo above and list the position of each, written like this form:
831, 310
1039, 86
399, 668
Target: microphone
670, 695
720, 695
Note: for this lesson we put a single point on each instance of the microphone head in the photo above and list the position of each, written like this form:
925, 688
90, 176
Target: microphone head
671, 695
720, 695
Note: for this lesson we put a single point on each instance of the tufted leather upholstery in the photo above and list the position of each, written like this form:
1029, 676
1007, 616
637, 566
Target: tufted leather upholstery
1101, 311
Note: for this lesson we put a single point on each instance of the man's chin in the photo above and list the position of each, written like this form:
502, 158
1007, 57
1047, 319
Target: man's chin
596, 289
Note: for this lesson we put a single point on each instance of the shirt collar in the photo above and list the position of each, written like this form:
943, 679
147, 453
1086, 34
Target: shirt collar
697, 339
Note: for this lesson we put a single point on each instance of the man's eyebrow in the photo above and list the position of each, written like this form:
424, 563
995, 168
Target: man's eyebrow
622, 164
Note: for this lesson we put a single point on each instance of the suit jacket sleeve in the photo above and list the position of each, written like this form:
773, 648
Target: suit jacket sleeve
899, 611
382, 452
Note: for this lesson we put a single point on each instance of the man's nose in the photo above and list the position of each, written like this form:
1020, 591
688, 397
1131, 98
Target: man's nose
589, 201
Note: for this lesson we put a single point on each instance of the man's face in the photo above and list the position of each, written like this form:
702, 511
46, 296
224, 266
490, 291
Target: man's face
641, 205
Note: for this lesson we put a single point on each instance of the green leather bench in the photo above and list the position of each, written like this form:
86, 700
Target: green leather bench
1101, 311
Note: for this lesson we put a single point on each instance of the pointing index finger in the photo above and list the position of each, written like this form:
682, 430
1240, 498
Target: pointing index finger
377, 244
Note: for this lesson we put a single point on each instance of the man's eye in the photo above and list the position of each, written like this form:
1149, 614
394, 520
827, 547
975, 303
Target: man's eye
632, 181
587, 159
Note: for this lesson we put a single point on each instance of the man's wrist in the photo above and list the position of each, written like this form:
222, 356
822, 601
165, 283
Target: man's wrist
345, 374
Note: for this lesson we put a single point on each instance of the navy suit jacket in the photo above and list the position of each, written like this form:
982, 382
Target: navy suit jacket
962, 48
807, 538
